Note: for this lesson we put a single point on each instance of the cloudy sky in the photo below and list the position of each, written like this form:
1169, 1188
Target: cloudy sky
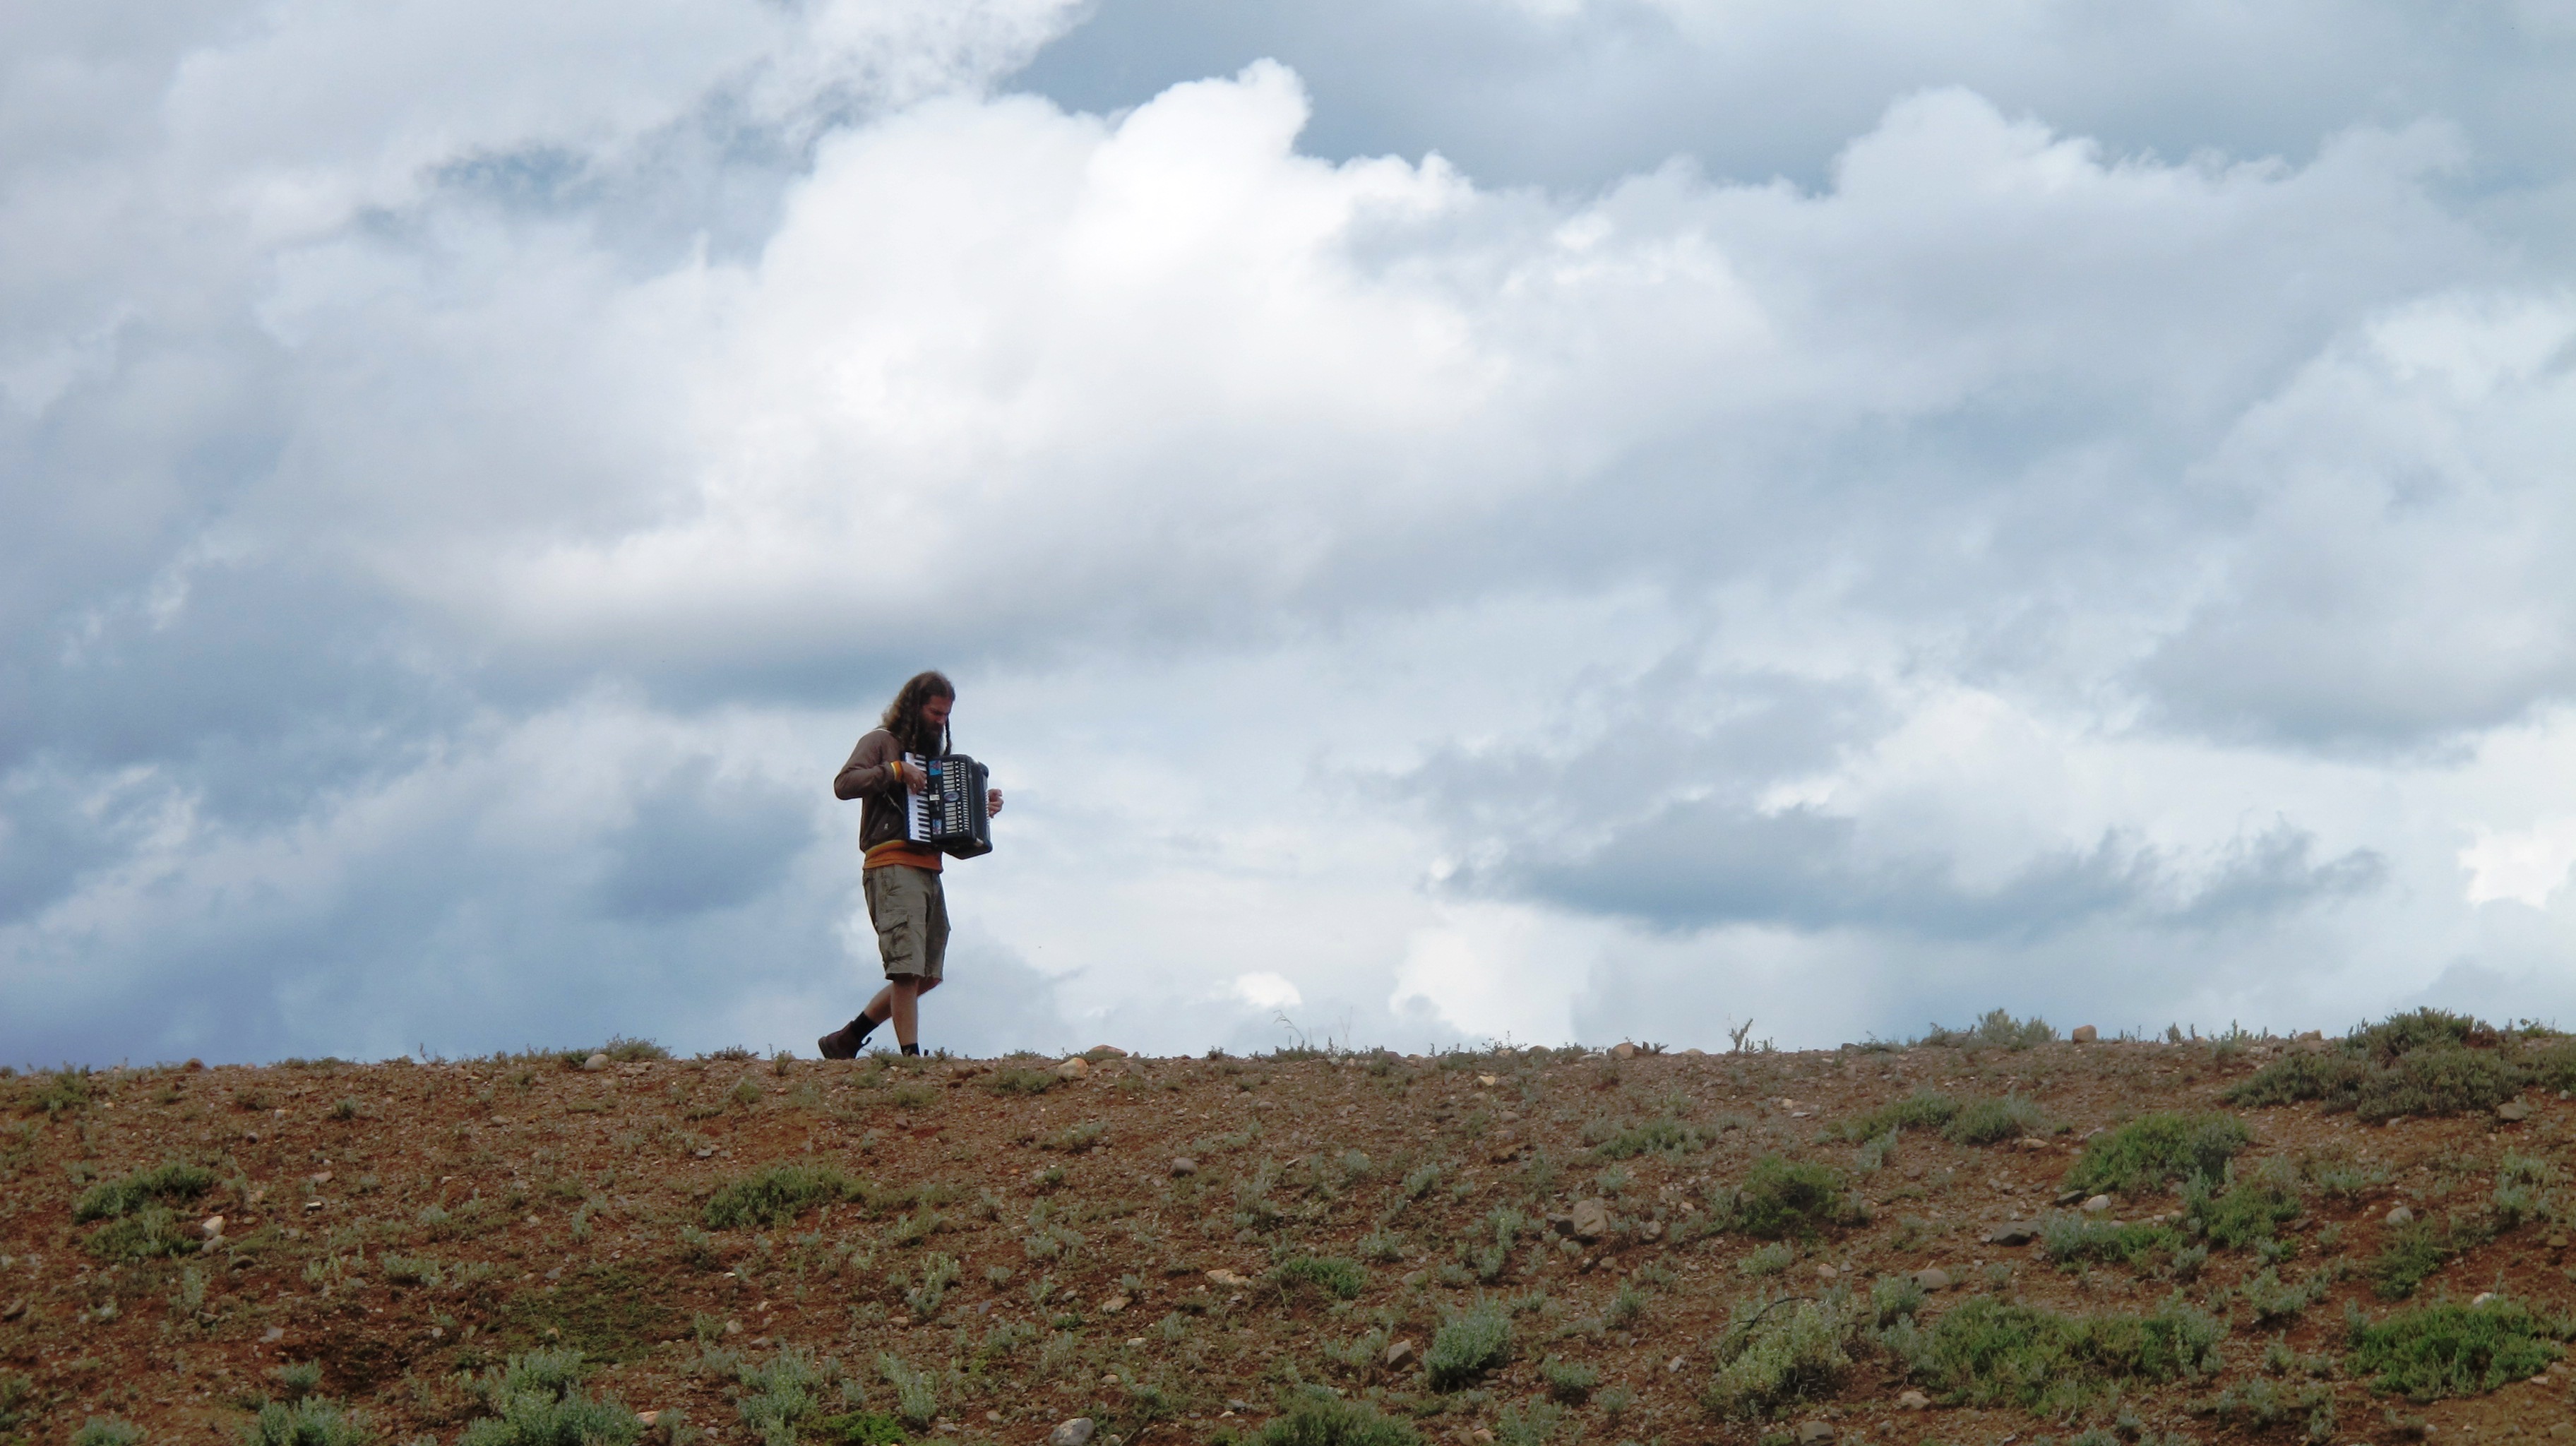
1451, 519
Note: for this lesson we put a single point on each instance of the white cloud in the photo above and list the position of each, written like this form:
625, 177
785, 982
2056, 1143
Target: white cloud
2526, 866
475, 495
1267, 991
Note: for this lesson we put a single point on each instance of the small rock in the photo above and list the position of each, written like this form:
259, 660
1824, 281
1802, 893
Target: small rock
1589, 1220
2482, 1297
212, 1227
1398, 1356
2312, 1034
2085, 1034
1913, 1401
1489, 1080
733, 1328
1506, 1152
1107, 1051
1675, 1364
1815, 1433
1227, 1278
648, 1417
596, 1061
1652, 1231
1075, 1069
2097, 1204
2557, 1241
1184, 1165
1113, 1305
993, 1416
2402, 1216
2513, 1111
1623, 1050
272, 1335
1934, 1278
1827, 1272
1076, 1432
2012, 1232
320, 1177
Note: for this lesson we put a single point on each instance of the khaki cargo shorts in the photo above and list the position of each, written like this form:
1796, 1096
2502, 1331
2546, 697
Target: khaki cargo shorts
911, 914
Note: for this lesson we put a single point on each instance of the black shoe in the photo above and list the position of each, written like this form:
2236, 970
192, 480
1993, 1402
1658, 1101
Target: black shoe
846, 1041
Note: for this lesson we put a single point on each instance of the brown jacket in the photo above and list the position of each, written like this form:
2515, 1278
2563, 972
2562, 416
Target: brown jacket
870, 776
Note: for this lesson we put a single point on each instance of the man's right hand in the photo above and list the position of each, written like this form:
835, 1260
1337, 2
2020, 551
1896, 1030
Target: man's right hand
910, 777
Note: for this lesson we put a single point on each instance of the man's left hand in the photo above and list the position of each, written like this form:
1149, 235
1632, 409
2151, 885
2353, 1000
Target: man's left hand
992, 802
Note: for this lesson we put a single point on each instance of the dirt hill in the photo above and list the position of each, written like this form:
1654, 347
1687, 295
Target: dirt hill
2200, 1240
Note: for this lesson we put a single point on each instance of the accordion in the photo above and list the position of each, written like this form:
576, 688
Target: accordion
949, 815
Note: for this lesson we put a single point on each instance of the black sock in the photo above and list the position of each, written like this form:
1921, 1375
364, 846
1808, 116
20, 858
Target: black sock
912, 1049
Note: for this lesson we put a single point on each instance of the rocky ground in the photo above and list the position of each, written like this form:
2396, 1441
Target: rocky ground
1913, 1244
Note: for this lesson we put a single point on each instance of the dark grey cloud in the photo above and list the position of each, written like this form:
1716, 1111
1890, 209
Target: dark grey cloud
698, 842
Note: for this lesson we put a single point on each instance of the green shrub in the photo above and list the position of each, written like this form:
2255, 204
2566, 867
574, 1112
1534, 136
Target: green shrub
1021, 1081
1342, 1279
17, 1395
861, 1428
166, 1184
1996, 1030
536, 1400
1569, 1381
1666, 1137
2153, 1149
781, 1396
2434, 1351
1775, 1353
1467, 1345
148, 1233
2273, 1302
298, 1379
2426, 1062
313, 1421
2426, 1028
107, 1431
2335, 1078
1781, 1197
1769, 1259
2259, 1402
1895, 1297
1534, 1424
1987, 1352
2070, 1238
1989, 1122
916, 1396
2415, 1250
1312, 1417
1925, 1109
777, 1195
57, 1091
2248, 1212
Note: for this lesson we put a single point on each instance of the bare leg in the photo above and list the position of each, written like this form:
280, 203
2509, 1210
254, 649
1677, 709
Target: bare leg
898, 1001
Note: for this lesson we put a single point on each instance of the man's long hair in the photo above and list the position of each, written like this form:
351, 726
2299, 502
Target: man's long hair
903, 715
